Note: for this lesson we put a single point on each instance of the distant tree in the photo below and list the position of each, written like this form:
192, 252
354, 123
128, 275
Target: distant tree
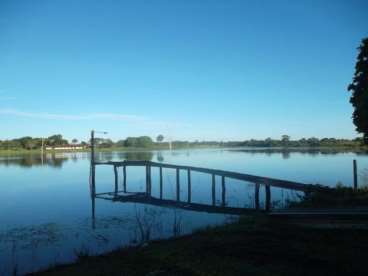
313, 142
285, 139
56, 140
359, 89
120, 143
160, 138
268, 142
131, 142
144, 141
103, 143
75, 141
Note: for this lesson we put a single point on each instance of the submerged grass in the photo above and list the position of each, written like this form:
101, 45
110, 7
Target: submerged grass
255, 245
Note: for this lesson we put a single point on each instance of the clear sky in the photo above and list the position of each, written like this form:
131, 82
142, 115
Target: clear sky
215, 70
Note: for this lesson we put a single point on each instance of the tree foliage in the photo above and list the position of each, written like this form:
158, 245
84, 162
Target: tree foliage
160, 138
139, 142
359, 89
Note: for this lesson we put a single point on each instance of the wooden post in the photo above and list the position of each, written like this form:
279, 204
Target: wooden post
355, 175
93, 168
177, 184
116, 179
223, 190
256, 196
148, 180
161, 183
189, 187
124, 179
93, 198
268, 197
213, 189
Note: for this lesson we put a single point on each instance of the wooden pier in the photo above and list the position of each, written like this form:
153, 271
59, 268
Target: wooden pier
258, 181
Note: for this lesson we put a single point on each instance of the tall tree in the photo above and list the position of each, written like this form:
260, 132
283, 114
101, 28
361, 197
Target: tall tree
160, 138
359, 89
285, 139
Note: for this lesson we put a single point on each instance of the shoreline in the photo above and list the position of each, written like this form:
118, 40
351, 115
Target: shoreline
255, 245
13, 152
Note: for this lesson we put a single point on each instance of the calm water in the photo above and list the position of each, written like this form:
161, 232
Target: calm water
46, 208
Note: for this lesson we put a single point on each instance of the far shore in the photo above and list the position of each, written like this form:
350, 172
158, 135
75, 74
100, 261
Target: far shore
12, 152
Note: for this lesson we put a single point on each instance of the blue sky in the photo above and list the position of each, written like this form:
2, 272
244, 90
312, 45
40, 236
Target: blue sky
215, 70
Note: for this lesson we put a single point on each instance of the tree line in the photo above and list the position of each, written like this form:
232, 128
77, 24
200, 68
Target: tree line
30, 143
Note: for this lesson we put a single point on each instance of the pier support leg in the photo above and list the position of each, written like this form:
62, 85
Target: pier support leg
124, 179
161, 183
116, 179
213, 190
256, 196
189, 187
177, 184
268, 197
223, 188
148, 180
355, 175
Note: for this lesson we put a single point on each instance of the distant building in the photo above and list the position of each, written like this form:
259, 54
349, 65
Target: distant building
66, 147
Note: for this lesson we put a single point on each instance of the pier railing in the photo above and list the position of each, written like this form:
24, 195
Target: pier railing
267, 182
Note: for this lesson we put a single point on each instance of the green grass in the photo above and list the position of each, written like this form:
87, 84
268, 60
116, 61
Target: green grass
252, 246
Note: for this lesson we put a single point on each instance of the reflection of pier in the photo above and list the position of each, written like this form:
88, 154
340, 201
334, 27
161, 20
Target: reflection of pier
143, 198
147, 198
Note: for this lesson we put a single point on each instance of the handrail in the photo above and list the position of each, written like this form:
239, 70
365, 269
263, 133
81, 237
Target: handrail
286, 184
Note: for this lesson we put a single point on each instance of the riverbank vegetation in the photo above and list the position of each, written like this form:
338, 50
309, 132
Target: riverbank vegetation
256, 245
339, 197
25, 144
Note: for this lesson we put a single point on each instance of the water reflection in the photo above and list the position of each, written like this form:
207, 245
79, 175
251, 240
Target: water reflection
57, 159
34, 237
33, 160
286, 152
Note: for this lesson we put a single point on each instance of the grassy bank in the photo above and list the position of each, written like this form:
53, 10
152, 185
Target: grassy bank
252, 246
339, 197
